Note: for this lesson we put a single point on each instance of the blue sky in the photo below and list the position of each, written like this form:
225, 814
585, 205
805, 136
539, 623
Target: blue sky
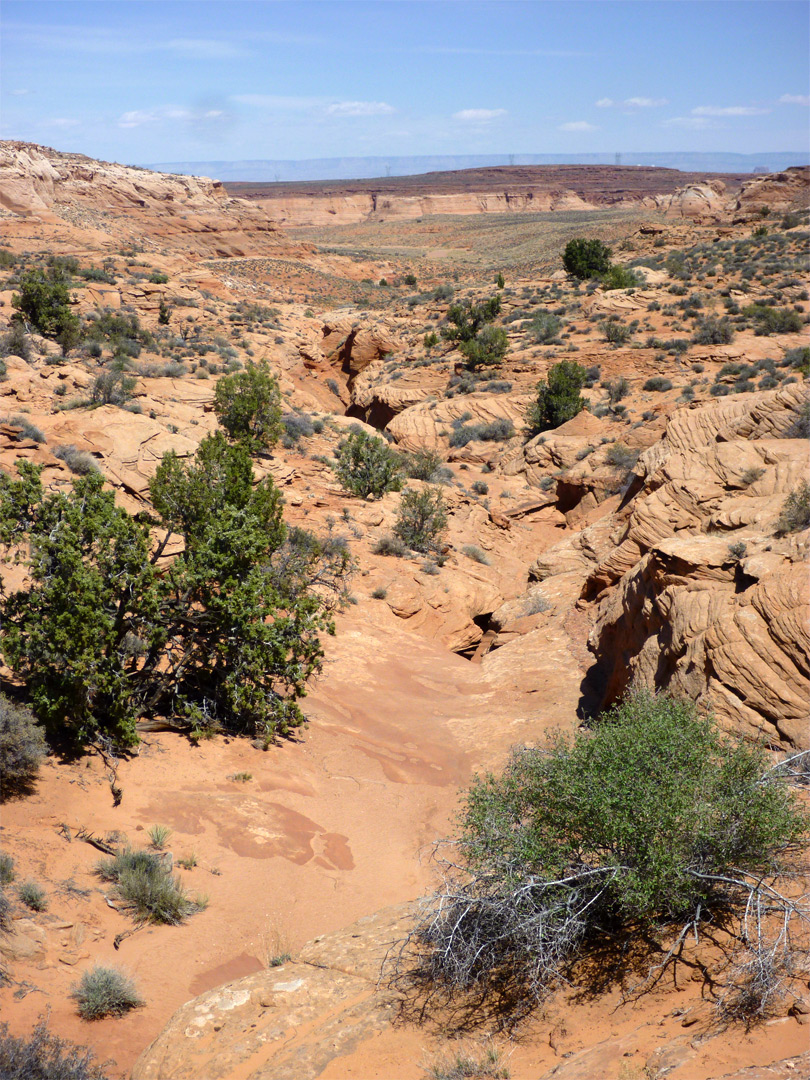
166, 81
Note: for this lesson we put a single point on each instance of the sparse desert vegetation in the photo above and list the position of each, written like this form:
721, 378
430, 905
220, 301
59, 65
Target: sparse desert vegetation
306, 526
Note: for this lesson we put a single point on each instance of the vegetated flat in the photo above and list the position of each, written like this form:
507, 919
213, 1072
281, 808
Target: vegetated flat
476, 242
603, 183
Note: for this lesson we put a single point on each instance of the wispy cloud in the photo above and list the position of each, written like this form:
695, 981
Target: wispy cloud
577, 125
19, 93
645, 102
478, 116
464, 50
794, 99
62, 122
632, 103
729, 110
162, 114
360, 108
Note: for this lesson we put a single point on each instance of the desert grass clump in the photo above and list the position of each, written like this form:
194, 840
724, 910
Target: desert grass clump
105, 991
32, 895
159, 836
146, 888
78, 461
472, 551
7, 873
390, 545
464, 1065
45, 1056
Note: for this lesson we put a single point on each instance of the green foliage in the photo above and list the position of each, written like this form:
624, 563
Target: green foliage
45, 1057
544, 327
621, 457
477, 554
615, 332
796, 509
32, 895
112, 388
22, 748
653, 819
146, 889
558, 397
367, 466
467, 317
586, 258
620, 277
15, 343
713, 331
248, 406
104, 991
422, 464
421, 519
658, 383
770, 320
6, 867
226, 635
486, 349
159, 836
44, 302
78, 461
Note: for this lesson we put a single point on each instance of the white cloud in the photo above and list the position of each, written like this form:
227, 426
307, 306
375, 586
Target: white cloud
632, 103
139, 117
693, 123
478, 116
19, 93
577, 125
645, 102
62, 122
728, 110
794, 99
360, 108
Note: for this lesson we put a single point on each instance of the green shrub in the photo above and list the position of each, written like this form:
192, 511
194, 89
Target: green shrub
615, 332
22, 748
159, 836
421, 519
157, 277
769, 320
32, 895
586, 258
464, 1066
795, 510
544, 327
617, 389
248, 406
104, 991
112, 388
713, 331
467, 317
599, 845
479, 487
15, 342
486, 349
422, 464
558, 397
27, 430
621, 277
658, 383
44, 302
367, 466
45, 1057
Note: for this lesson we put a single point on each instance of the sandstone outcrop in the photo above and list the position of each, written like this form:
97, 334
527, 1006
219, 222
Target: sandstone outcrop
122, 202
700, 594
